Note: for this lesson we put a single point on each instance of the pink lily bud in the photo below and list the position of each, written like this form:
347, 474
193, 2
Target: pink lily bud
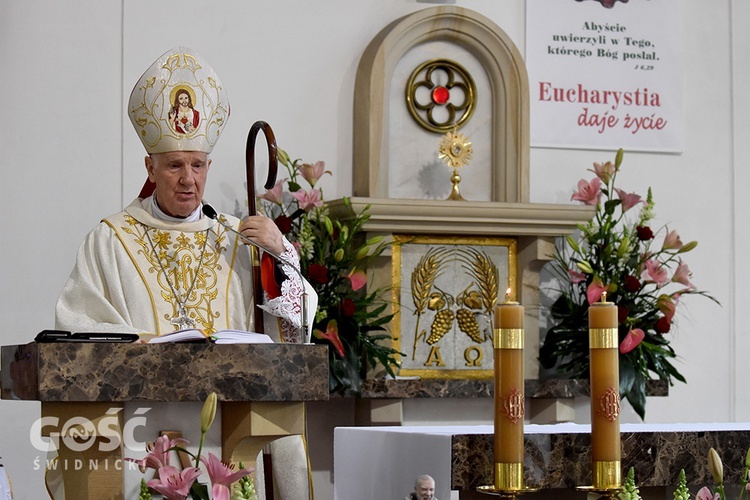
672, 241
604, 171
313, 173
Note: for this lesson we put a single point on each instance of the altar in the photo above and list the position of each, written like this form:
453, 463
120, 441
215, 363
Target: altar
84, 389
372, 463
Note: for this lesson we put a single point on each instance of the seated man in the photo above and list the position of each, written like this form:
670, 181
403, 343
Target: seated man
161, 265
424, 489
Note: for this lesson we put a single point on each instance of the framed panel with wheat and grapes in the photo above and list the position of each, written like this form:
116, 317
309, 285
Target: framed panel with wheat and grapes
444, 291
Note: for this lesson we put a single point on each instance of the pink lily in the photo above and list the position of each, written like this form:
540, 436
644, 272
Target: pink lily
275, 194
682, 275
588, 192
629, 200
308, 199
672, 241
595, 290
158, 453
667, 306
313, 173
222, 476
173, 483
655, 273
576, 277
332, 336
358, 279
705, 494
631, 340
604, 171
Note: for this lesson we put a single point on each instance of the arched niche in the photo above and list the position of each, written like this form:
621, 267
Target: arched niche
508, 116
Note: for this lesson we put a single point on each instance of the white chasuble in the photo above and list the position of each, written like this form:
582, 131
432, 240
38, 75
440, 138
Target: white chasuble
136, 273
183, 272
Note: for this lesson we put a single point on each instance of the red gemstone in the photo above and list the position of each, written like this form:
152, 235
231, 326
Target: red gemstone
440, 95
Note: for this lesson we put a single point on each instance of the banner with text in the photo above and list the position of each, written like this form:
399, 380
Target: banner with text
605, 78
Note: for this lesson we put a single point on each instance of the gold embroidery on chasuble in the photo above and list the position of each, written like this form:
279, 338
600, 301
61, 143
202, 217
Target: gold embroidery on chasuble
176, 261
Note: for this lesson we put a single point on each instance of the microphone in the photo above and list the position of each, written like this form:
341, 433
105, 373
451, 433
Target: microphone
209, 212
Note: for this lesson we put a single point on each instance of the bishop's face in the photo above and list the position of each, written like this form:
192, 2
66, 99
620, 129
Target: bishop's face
180, 177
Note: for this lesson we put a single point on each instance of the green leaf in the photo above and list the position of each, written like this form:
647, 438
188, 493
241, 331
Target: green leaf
627, 374
610, 205
199, 491
637, 396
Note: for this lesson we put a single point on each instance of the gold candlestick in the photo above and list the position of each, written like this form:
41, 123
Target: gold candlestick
605, 398
508, 343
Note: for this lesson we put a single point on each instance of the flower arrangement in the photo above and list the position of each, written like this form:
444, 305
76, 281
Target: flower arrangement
630, 491
617, 252
334, 257
176, 484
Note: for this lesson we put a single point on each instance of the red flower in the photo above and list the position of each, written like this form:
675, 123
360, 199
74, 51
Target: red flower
631, 340
331, 335
317, 273
348, 308
622, 313
358, 279
662, 325
284, 223
632, 284
644, 233
595, 290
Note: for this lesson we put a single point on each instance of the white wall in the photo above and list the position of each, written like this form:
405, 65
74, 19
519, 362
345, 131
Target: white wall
69, 156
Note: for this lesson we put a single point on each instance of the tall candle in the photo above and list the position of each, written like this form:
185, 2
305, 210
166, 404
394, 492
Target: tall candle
508, 342
605, 395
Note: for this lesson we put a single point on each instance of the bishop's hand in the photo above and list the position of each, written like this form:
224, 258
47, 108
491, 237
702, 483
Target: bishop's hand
262, 230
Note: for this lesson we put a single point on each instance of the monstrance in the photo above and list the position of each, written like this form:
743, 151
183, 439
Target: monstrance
455, 150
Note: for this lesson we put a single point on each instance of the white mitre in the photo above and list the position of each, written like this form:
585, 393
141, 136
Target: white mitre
179, 104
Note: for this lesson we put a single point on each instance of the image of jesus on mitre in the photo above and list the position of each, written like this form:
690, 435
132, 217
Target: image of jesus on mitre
183, 117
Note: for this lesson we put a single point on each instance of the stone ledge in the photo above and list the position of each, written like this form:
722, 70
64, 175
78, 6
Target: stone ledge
112, 372
563, 461
455, 388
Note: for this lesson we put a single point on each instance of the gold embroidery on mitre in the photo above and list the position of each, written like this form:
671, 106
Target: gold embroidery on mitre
162, 120
513, 406
609, 405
